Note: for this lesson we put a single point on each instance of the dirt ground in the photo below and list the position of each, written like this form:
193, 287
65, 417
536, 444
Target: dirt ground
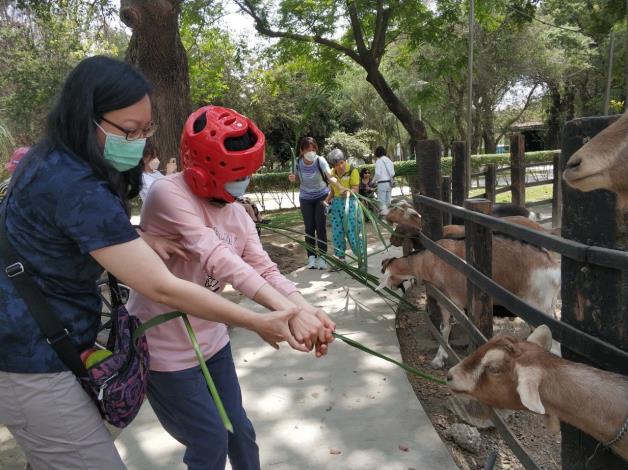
417, 349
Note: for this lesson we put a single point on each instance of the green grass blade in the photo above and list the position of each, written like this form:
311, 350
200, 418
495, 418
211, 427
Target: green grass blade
404, 366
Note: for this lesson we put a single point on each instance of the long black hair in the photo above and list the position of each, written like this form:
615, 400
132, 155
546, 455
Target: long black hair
96, 86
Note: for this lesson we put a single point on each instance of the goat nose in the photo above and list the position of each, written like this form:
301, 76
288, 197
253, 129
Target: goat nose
449, 377
574, 163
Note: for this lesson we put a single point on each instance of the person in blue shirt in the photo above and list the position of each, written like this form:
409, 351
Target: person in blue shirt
314, 176
67, 216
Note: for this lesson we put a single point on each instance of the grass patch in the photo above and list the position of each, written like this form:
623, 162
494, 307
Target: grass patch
536, 193
285, 217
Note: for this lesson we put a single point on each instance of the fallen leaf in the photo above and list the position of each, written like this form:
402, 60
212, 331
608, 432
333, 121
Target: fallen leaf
333, 451
403, 448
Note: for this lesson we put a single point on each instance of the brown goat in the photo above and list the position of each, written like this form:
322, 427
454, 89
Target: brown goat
528, 272
602, 163
408, 224
522, 375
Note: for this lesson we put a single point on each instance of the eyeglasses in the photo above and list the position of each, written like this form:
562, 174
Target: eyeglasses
134, 134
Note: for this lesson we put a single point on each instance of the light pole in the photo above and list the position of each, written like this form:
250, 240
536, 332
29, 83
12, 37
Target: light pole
419, 86
470, 96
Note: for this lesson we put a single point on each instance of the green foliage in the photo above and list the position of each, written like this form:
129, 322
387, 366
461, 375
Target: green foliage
351, 145
41, 43
7, 145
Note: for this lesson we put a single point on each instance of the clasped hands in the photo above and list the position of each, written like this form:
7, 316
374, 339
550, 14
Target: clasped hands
312, 329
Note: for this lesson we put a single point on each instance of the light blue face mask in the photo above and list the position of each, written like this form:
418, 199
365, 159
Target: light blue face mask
237, 188
122, 154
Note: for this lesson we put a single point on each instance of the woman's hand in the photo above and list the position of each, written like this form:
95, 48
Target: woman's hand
312, 327
292, 177
273, 327
165, 246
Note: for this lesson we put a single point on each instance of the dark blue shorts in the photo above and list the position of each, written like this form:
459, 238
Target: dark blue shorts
186, 410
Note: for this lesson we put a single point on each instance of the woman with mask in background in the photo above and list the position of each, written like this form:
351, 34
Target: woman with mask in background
314, 176
67, 218
151, 173
220, 150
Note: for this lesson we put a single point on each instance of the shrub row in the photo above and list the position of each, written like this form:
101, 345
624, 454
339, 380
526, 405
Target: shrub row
267, 182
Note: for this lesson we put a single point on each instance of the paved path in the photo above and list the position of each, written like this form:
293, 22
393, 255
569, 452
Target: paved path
348, 410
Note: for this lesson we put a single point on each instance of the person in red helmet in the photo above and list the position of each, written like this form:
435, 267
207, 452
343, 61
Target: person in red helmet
220, 149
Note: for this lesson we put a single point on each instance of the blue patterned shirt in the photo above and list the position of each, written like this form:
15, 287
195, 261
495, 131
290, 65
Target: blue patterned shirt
58, 212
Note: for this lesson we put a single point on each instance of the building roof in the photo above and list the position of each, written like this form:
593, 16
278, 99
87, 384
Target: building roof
528, 126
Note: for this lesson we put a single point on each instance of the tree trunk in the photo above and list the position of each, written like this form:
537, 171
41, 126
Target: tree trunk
488, 131
555, 119
156, 49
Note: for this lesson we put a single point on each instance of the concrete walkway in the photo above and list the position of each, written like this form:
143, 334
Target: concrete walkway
348, 410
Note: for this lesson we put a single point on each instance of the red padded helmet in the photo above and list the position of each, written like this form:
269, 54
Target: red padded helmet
208, 163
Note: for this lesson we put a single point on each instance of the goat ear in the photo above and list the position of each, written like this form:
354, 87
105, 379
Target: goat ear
385, 263
541, 336
528, 382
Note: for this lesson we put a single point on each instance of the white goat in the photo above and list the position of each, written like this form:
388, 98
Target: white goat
602, 163
522, 375
525, 270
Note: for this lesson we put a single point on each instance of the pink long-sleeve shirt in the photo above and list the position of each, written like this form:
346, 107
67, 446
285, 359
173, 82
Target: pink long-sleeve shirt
223, 247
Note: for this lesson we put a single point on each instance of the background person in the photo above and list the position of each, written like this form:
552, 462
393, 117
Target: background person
151, 172
11, 166
200, 205
66, 233
366, 186
314, 175
349, 180
383, 177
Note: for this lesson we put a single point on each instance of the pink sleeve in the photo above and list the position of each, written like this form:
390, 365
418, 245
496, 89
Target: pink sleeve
255, 255
168, 210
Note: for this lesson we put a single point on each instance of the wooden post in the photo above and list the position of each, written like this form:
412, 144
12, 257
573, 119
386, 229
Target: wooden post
446, 185
490, 181
428, 163
557, 196
479, 254
594, 299
459, 191
518, 169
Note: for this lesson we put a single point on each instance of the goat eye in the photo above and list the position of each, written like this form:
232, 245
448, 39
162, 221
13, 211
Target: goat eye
494, 370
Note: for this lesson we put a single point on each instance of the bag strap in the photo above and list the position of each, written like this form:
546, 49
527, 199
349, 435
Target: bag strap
17, 270
320, 170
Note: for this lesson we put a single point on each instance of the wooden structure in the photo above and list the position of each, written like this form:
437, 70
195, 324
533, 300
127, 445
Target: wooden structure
518, 170
595, 298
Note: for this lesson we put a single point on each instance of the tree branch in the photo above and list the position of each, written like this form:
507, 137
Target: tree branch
381, 25
262, 27
516, 118
358, 34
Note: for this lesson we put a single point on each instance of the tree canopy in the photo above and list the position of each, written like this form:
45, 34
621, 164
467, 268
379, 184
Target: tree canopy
393, 71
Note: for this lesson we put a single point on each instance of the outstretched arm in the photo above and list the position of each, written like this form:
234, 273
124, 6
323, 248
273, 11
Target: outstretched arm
139, 267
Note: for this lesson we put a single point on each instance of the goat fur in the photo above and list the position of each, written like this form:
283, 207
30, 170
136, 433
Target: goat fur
522, 375
528, 272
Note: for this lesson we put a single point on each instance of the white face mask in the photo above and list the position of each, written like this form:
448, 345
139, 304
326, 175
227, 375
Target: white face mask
154, 164
237, 188
309, 156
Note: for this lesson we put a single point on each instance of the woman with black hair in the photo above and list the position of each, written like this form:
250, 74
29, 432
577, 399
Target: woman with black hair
67, 218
